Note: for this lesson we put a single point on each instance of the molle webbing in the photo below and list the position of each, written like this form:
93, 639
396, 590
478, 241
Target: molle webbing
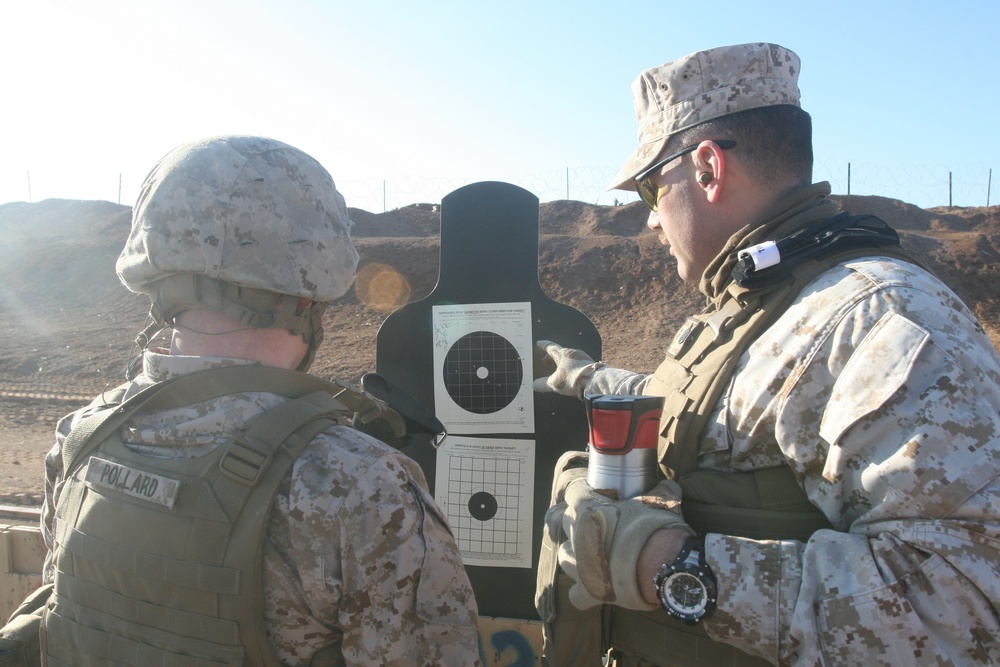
700, 363
760, 504
703, 356
142, 583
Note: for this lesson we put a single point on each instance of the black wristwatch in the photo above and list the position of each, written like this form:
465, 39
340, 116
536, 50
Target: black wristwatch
686, 588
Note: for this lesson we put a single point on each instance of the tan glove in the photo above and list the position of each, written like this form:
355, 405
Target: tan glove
605, 537
576, 374
573, 370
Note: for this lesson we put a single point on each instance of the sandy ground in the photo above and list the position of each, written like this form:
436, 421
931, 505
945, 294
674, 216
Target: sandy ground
66, 324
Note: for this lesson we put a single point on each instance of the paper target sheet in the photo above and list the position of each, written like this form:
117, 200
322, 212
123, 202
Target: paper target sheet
484, 486
482, 362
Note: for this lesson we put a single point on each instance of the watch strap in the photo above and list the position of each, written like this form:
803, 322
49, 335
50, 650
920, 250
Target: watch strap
693, 543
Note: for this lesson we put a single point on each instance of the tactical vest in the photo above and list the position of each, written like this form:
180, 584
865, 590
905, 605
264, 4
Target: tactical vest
699, 364
158, 562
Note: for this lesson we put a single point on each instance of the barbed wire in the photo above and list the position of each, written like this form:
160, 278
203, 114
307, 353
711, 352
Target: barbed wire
926, 186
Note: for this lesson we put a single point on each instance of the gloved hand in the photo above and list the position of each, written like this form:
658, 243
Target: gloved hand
573, 370
604, 537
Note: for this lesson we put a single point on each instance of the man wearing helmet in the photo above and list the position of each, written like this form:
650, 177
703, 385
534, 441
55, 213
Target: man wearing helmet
219, 520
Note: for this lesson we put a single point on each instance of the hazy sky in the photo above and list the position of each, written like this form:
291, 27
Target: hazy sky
405, 101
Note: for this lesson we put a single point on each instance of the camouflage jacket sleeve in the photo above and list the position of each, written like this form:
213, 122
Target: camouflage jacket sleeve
358, 550
882, 392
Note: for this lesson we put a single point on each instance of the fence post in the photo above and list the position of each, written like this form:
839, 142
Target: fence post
989, 184
848, 178
949, 189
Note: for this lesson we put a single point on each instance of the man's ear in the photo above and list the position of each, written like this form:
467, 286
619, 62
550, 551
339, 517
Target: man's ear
710, 167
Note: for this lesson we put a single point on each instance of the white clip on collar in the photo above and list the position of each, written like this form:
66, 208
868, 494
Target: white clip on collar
762, 255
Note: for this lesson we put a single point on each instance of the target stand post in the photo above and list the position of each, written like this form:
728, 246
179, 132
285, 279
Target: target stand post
467, 352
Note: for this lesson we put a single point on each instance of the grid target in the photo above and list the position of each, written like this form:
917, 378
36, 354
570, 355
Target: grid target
473, 479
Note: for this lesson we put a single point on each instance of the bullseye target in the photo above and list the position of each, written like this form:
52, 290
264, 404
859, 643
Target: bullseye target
482, 372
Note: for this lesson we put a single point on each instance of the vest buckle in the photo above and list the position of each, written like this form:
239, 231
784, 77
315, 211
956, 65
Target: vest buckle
246, 459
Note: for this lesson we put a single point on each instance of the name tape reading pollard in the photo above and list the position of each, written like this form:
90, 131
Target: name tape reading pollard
132, 481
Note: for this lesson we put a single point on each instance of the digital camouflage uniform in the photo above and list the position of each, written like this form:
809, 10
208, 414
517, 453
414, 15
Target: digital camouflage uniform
881, 391
356, 550
875, 388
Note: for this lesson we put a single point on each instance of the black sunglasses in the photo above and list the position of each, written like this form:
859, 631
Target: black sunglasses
648, 192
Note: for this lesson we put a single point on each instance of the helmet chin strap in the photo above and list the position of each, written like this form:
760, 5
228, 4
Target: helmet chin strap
141, 342
314, 336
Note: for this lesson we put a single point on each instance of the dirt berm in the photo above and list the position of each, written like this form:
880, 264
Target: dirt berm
67, 324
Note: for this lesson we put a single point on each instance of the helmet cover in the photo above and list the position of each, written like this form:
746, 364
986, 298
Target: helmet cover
249, 211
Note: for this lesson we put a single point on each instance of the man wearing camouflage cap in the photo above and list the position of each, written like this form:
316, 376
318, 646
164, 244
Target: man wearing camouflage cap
830, 439
240, 519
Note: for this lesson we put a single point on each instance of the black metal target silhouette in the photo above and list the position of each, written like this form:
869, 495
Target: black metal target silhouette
489, 255
482, 372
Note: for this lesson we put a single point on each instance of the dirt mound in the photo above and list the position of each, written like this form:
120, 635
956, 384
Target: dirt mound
420, 220
67, 324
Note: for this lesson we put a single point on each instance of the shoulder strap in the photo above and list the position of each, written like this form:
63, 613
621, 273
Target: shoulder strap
252, 448
251, 471
276, 437
205, 385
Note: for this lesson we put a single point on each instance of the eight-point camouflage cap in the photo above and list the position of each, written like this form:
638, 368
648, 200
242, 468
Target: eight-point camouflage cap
702, 86
250, 211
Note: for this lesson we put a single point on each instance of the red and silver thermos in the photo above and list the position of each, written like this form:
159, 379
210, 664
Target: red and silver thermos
623, 434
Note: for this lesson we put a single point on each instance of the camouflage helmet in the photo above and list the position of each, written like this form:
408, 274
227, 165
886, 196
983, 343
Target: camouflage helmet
247, 226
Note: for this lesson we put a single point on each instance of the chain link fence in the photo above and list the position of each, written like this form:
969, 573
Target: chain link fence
921, 185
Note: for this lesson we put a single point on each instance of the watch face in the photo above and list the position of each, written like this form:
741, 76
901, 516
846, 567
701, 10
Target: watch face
687, 588
685, 595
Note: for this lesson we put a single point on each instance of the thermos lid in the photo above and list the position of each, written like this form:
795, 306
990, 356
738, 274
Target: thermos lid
619, 424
